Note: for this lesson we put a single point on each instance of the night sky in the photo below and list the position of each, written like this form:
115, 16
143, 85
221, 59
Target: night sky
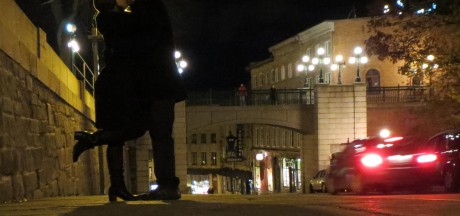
219, 38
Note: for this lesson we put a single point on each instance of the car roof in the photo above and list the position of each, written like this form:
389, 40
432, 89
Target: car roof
449, 131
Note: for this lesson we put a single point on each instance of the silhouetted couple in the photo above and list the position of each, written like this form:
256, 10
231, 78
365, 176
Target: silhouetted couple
136, 92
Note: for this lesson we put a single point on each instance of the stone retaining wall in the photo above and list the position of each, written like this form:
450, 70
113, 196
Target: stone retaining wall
41, 105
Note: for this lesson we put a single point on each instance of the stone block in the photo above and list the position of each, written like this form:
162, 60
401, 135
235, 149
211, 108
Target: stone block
6, 189
9, 164
54, 188
37, 194
42, 175
7, 105
30, 182
18, 188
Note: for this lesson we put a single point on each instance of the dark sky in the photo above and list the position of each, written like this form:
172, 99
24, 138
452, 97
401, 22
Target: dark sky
219, 38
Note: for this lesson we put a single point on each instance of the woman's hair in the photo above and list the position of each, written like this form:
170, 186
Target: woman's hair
104, 5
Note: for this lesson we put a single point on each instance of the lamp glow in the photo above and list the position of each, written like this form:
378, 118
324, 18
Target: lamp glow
259, 156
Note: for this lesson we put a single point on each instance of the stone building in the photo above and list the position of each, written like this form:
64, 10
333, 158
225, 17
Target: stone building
340, 89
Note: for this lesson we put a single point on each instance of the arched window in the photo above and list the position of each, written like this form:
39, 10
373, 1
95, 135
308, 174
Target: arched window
416, 81
373, 78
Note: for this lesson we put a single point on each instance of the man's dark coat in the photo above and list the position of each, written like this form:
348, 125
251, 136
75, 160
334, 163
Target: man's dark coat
140, 65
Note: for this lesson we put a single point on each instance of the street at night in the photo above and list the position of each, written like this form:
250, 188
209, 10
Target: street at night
254, 205
280, 107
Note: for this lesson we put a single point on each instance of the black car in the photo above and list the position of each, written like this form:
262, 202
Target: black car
385, 164
446, 146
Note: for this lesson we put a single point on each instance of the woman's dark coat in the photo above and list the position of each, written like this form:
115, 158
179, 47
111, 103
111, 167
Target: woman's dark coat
140, 66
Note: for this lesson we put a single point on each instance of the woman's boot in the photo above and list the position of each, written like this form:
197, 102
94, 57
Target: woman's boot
86, 141
117, 182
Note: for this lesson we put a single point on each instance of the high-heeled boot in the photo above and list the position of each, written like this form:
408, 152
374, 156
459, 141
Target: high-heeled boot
86, 141
117, 182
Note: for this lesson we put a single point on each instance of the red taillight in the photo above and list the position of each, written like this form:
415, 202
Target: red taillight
371, 160
427, 158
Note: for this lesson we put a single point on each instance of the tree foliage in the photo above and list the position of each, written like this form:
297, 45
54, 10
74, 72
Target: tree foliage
411, 30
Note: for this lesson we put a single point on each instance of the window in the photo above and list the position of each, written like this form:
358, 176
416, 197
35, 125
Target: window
194, 136
203, 138
283, 138
214, 158
317, 46
276, 136
290, 70
307, 83
261, 81
308, 52
273, 75
267, 78
327, 78
261, 136
283, 73
276, 74
254, 80
286, 165
327, 47
204, 158
256, 135
194, 158
213, 138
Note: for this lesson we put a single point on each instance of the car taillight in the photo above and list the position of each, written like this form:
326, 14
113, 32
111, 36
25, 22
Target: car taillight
427, 158
371, 160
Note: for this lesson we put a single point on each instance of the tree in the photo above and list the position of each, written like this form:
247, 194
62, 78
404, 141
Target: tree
423, 37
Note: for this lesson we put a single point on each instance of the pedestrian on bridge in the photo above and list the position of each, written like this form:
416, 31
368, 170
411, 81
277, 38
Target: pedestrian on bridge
243, 93
136, 92
273, 96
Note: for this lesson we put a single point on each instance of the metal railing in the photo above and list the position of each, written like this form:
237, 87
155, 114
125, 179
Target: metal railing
84, 74
399, 94
252, 98
396, 94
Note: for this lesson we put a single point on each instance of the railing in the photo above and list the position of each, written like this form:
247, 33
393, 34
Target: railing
252, 98
399, 94
396, 94
84, 74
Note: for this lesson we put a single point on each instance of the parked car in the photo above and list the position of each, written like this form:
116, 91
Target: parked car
446, 146
318, 182
385, 164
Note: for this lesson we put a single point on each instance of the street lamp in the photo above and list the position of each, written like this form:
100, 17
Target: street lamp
180, 62
358, 59
305, 66
321, 60
72, 44
338, 64
428, 67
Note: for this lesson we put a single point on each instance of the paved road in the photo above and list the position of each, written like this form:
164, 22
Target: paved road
241, 205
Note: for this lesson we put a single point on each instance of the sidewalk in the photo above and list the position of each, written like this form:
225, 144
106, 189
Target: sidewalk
199, 205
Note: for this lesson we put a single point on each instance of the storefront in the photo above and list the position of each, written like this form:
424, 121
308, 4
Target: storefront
274, 173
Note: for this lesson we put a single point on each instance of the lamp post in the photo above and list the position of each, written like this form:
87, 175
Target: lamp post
321, 60
358, 59
338, 64
72, 44
308, 65
305, 66
180, 62
429, 66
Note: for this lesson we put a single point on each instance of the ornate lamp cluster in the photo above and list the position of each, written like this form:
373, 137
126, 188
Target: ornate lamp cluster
180, 62
320, 60
339, 63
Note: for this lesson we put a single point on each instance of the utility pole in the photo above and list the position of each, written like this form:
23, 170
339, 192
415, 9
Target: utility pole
95, 37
